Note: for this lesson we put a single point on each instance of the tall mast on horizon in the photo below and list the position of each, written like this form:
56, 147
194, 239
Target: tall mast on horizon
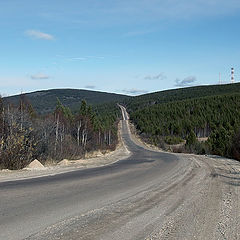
232, 75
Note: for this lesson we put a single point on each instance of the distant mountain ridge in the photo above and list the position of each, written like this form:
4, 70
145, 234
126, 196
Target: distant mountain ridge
45, 101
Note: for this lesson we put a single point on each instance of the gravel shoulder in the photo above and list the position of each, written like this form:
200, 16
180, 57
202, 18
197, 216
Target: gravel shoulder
207, 206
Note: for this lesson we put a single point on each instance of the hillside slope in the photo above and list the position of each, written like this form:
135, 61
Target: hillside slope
181, 115
45, 101
166, 96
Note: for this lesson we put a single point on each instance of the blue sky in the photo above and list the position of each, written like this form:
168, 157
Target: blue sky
127, 46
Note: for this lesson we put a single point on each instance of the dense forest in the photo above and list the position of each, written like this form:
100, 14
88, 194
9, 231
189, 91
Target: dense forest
25, 135
167, 96
215, 117
44, 102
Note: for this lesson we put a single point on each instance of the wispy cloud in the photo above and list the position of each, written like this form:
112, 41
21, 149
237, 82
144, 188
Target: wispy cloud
39, 35
160, 76
173, 9
81, 58
101, 13
95, 57
39, 76
77, 59
134, 91
90, 87
138, 33
188, 81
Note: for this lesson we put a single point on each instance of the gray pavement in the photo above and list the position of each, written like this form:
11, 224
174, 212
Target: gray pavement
29, 206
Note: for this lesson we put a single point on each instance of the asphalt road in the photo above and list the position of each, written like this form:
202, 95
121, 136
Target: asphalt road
136, 198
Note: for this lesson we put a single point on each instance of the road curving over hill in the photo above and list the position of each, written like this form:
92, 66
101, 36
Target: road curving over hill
150, 195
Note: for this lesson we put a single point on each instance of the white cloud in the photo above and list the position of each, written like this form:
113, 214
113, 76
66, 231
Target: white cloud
90, 86
84, 58
188, 81
134, 91
77, 59
39, 35
87, 58
159, 76
40, 76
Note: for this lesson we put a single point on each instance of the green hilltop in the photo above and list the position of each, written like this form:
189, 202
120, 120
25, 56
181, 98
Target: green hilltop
184, 115
45, 101
166, 96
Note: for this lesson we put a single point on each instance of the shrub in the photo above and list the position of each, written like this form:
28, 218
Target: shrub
236, 146
191, 139
220, 142
171, 140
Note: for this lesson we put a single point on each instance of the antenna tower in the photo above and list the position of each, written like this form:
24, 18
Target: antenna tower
232, 75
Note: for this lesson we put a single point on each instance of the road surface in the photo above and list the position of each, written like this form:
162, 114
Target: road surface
150, 195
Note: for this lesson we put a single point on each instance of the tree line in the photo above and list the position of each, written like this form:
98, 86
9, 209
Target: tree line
180, 94
25, 135
214, 117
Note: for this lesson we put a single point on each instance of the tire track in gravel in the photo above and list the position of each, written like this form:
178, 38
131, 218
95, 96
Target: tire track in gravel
213, 211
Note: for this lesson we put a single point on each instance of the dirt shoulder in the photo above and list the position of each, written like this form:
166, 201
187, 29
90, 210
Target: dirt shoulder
92, 160
208, 203
136, 139
209, 206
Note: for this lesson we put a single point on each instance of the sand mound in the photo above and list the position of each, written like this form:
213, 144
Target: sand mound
5, 170
64, 162
93, 154
35, 165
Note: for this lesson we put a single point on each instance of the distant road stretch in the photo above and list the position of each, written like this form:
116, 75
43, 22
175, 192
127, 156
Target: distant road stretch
150, 195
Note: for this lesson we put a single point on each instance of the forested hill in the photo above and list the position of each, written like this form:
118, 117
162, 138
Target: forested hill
188, 114
45, 101
145, 100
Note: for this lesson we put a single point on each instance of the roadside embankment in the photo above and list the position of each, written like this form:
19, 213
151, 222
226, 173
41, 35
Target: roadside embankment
92, 160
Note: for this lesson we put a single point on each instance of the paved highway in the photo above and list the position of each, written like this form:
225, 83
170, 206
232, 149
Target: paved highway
150, 195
